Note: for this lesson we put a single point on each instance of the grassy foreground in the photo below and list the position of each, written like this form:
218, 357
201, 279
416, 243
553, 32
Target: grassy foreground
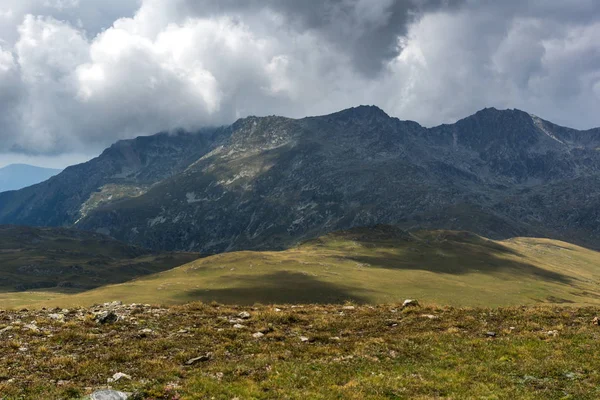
305, 352
368, 266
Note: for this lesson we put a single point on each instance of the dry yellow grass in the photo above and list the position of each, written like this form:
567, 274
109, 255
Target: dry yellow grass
376, 265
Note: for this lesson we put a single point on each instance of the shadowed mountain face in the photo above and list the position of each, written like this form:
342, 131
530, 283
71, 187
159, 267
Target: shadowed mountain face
70, 260
18, 176
267, 183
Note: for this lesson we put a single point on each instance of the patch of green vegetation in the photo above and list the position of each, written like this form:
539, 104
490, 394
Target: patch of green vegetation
374, 265
65, 261
309, 351
111, 193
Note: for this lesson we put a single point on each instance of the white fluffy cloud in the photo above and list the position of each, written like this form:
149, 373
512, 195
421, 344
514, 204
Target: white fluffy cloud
77, 75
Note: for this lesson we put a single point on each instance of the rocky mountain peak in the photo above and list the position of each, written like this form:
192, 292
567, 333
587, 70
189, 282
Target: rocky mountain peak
269, 182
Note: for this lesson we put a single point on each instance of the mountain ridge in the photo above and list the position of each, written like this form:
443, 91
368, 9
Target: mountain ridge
18, 176
269, 182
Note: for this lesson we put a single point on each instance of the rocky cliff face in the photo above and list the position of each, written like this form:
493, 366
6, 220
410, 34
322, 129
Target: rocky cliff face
267, 183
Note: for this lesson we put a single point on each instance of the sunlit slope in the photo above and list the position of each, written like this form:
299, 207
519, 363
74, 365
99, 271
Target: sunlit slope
377, 265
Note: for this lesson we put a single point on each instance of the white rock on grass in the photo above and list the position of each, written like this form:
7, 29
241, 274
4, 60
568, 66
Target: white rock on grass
410, 303
118, 376
244, 315
108, 395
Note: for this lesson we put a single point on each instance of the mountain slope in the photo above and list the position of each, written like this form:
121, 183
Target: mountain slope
277, 181
18, 176
69, 260
126, 169
374, 265
268, 183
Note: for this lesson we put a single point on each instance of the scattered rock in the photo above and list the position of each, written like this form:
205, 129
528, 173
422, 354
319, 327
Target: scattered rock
304, 339
182, 331
430, 316
239, 326
204, 358
410, 303
335, 339
57, 317
258, 335
236, 321
490, 334
108, 395
348, 308
244, 315
32, 327
118, 376
6, 329
278, 310
596, 321
552, 333
107, 317
145, 332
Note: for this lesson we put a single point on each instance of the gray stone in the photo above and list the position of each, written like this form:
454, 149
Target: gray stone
118, 376
107, 317
244, 315
108, 395
410, 303
204, 358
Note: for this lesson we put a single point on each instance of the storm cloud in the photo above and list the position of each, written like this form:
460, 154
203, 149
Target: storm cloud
76, 75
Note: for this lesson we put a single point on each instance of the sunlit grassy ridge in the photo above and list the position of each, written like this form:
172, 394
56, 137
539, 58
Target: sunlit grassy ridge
374, 265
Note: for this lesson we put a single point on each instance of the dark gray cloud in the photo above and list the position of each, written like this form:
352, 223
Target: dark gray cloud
366, 30
77, 75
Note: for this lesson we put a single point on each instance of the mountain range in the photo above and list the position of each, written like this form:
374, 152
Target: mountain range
18, 176
271, 182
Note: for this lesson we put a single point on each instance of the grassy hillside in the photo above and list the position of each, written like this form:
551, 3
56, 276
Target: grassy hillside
66, 261
375, 265
306, 352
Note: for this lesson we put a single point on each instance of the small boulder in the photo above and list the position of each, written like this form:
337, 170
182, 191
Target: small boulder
244, 315
596, 321
6, 329
258, 335
108, 395
31, 327
491, 334
410, 303
117, 377
204, 358
107, 317
238, 326
57, 317
349, 308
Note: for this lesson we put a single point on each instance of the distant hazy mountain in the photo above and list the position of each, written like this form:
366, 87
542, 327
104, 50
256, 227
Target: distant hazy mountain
268, 183
18, 176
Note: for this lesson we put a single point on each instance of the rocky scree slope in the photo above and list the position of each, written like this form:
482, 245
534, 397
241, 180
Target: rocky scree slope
267, 183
